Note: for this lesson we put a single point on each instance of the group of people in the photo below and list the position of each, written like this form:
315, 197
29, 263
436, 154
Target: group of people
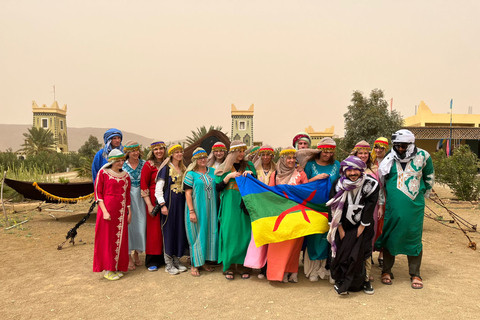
166, 210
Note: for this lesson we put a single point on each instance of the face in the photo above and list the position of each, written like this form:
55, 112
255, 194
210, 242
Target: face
380, 151
202, 162
290, 161
134, 154
159, 152
326, 155
401, 147
178, 155
266, 158
363, 155
219, 155
117, 165
352, 174
241, 155
116, 142
302, 144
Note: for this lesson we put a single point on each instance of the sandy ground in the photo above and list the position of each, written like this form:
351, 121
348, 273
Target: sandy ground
38, 281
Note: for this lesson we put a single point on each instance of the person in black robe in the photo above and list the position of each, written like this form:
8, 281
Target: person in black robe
353, 199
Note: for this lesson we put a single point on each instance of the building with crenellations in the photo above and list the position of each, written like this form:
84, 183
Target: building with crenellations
52, 118
433, 130
242, 125
319, 135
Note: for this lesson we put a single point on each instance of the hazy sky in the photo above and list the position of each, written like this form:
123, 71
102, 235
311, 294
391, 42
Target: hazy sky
162, 68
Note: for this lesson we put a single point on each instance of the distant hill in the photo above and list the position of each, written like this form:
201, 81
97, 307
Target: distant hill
11, 136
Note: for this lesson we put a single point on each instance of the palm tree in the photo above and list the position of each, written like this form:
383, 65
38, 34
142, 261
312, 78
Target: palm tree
196, 135
38, 140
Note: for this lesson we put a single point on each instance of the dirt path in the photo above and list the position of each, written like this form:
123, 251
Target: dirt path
39, 282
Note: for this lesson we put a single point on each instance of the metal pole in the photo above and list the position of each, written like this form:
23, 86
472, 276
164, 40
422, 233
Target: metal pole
450, 140
3, 205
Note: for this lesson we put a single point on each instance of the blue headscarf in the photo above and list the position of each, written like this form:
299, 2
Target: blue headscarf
107, 139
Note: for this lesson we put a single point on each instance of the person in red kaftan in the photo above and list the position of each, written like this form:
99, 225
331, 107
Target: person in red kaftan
112, 193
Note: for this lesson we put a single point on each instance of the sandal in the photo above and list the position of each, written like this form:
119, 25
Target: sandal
229, 275
194, 272
207, 268
386, 278
110, 275
245, 275
416, 282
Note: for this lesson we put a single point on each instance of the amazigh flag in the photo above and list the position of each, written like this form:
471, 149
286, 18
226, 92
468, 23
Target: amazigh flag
285, 212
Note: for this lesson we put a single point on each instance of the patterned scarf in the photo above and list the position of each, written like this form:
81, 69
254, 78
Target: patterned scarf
338, 201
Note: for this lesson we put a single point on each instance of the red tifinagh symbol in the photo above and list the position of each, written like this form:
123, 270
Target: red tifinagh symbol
297, 207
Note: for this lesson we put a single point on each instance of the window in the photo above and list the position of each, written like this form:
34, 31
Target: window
61, 125
44, 123
242, 125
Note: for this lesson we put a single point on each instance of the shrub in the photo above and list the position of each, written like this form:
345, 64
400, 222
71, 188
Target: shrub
459, 172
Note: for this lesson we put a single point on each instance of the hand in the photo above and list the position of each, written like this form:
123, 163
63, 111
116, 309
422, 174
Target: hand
129, 218
150, 208
247, 172
232, 175
380, 211
299, 169
322, 176
342, 233
106, 215
165, 210
193, 216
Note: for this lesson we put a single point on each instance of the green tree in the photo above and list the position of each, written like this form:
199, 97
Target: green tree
368, 118
196, 135
459, 172
90, 147
38, 140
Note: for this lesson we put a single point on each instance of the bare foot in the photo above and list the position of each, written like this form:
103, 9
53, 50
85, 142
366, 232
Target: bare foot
194, 271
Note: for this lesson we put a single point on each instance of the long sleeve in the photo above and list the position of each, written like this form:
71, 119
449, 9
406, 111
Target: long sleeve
369, 208
98, 162
99, 188
428, 175
145, 178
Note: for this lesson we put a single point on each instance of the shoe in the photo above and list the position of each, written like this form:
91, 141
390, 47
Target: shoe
293, 277
110, 275
313, 278
261, 276
229, 275
178, 265
337, 290
367, 288
285, 277
331, 280
170, 268
152, 268
119, 273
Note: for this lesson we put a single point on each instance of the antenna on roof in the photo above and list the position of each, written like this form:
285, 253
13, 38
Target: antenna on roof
54, 93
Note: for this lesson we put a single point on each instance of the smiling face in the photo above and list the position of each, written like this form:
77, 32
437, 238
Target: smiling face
326, 156
219, 155
134, 155
177, 155
363, 155
202, 162
290, 161
117, 165
266, 158
158, 152
240, 156
353, 174
380, 151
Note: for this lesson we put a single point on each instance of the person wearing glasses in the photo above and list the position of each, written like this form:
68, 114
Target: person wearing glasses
408, 176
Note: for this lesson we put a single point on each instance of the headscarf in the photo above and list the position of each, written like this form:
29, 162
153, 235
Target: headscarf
401, 136
380, 142
113, 156
168, 160
150, 156
232, 156
265, 149
218, 146
305, 155
301, 136
284, 173
107, 139
251, 154
338, 201
131, 146
362, 145
198, 153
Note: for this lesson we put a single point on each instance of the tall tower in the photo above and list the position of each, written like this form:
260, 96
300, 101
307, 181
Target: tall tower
242, 125
54, 119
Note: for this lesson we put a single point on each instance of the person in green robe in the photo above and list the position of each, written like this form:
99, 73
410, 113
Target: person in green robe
235, 226
408, 176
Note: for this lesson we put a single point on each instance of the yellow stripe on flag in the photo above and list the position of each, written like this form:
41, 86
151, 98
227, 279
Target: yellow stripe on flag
292, 226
